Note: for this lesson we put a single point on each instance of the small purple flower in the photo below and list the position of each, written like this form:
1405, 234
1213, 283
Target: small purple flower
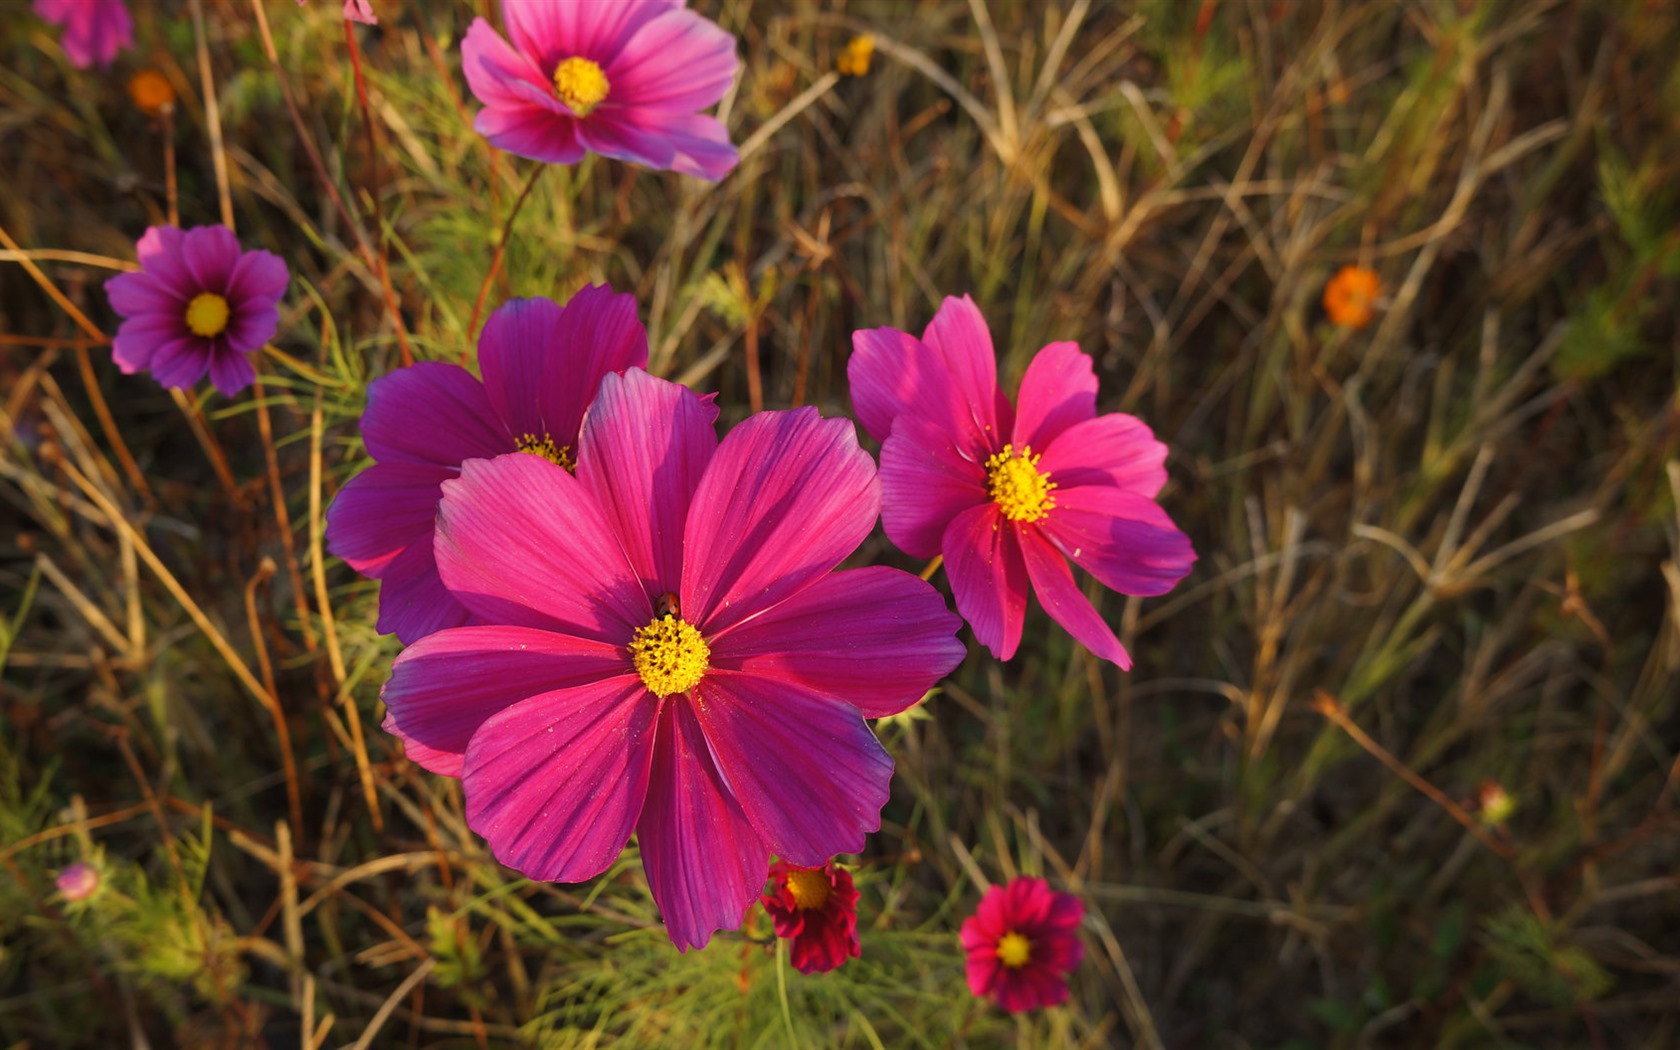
542, 364
78, 881
94, 30
622, 79
356, 11
197, 304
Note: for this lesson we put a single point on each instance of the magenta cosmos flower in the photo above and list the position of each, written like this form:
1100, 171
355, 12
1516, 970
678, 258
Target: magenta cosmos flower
94, 30
816, 910
672, 652
542, 364
1022, 942
358, 11
1007, 495
624, 79
197, 304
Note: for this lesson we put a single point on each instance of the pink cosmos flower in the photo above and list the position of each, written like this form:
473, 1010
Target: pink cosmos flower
1006, 495
672, 651
542, 364
356, 11
94, 30
78, 881
197, 304
1022, 942
815, 908
623, 79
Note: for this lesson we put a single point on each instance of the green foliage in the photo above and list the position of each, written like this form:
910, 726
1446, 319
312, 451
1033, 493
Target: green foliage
1526, 951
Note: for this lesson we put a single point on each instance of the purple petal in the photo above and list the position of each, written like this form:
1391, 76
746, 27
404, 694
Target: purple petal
159, 251
645, 447
210, 254
1123, 539
446, 685
1058, 391
413, 602
875, 638
258, 276
807, 771
381, 511
705, 863
520, 541
786, 497
988, 577
253, 324
181, 363
138, 293
138, 342
555, 782
1112, 449
926, 481
1052, 581
431, 412
677, 61
231, 371
687, 143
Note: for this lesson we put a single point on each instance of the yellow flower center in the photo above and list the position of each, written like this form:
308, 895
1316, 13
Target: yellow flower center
1020, 490
670, 655
580, 84
809, 887
546, 448
1013, 950
207, 315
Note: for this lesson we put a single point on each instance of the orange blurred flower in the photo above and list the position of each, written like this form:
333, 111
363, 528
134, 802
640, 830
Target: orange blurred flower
150, 92
854, 60
1351, 297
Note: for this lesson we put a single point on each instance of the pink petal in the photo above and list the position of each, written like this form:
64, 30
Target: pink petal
704, 861
645, 447
431, 412
926, 481
1114, 449
988, 577
677, 60
446, 685
493, 68
520, 541
958, 334
876, 638
808, 772
555, 782
231, 371
210, 254
551, 30
1123, 539
786, 497
686, 143
531, 131
412, 600
381, 511
1052, 581
1058, 391
360, 11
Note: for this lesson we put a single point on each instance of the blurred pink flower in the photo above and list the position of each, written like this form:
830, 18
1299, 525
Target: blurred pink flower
1022, 942
673, 652
623, 79
78, 881
358, 11
1007, 495
542, 364
197, 304
94, 30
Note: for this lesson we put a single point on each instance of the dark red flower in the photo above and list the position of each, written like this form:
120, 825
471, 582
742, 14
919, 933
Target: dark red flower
815, 908
1022, 942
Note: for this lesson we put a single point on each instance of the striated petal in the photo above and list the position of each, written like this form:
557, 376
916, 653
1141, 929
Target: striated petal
1113, 449
958, 334
678, 60
258, 275
431, 412
139, 293
1058, 391
705, 862
520, 541
253, 325
137, 343
551, 30
181, 363
531, 131
808, 772
210, 254
1052, 581
876, 638
644, 449
381, 511
1123, 539
413, 602
926, 481
988, 577
159, 251
556, 781
231, 371
492, 68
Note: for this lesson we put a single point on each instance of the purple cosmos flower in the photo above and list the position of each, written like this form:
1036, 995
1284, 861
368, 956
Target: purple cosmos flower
623, 79
1006, 495
94, 30
1022, 942
673, 653
356, 11
542, 364
197, 304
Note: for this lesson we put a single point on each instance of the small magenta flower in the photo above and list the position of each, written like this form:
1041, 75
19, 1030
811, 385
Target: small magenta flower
542, 365
1022, 942
94, 30
358, 11
1007, 495
816, 909
624, 79
672, 651
77, 882
197, 305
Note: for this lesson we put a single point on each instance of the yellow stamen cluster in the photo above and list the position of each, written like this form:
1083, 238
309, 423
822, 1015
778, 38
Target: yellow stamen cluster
809, 887
670, 656
580, 84
1020, 490
1013, 950
207, 315
546, 448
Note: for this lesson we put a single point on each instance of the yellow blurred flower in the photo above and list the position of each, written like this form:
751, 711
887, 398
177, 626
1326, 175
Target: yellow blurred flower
854, 60
1351, 297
